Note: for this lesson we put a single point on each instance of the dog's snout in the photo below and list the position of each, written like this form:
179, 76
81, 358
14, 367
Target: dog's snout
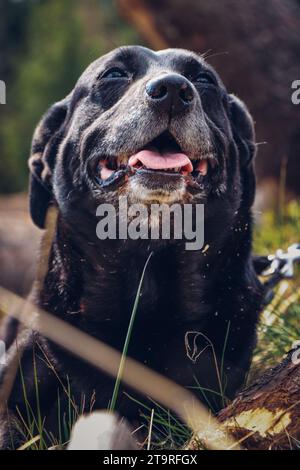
171, 91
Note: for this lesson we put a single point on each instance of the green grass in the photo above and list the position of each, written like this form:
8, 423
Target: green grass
32, 426
167, 432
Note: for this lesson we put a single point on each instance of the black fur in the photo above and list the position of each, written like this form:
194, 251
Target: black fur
92, 284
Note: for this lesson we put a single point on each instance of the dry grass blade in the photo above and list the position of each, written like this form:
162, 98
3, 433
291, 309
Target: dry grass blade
150, 430
29, 443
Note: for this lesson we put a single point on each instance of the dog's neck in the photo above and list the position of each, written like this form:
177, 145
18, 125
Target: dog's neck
98, 280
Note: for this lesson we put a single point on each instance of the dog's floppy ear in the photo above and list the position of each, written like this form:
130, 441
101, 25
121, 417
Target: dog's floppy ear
243, 129
45, 142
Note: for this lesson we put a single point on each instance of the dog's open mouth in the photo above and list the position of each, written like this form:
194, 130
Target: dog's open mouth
162, 158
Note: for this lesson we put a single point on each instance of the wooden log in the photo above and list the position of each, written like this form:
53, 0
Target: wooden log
266, 415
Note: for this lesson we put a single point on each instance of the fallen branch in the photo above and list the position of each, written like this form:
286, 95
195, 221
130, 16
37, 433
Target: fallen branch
265, 415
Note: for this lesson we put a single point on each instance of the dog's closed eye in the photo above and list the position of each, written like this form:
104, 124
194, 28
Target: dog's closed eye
114, 73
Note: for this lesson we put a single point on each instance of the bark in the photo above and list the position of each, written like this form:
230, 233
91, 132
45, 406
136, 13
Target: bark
255, 47
266, 416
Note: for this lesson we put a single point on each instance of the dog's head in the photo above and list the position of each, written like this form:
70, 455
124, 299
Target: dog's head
154, 126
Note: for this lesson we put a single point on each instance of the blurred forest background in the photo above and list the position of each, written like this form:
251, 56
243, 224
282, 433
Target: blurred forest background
46, 44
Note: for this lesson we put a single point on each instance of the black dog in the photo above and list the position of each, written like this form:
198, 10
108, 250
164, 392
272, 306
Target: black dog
132, 113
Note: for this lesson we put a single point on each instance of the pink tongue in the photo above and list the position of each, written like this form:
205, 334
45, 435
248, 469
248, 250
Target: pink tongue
155, 161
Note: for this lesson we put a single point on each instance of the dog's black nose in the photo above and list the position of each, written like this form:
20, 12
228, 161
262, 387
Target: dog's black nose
171, 91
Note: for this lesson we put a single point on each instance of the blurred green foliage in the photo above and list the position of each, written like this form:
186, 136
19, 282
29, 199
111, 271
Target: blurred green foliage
277, 228
45, 45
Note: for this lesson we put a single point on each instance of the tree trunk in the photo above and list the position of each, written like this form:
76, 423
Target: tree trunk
255, 47
267, 414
